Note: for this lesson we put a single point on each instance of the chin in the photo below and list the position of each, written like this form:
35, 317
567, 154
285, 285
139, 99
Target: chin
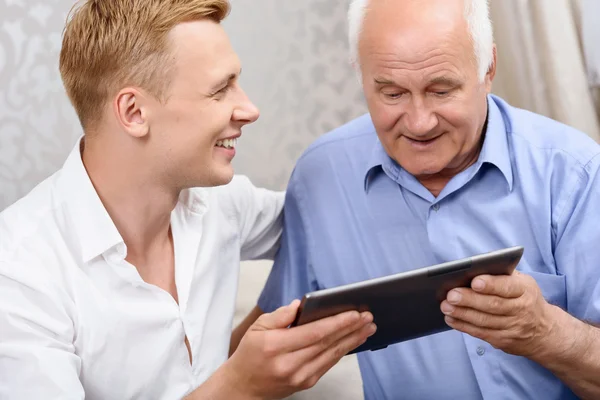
225, 181
419, 169
216, 177
223, 176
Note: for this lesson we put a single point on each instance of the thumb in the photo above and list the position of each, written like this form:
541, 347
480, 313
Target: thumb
278, 319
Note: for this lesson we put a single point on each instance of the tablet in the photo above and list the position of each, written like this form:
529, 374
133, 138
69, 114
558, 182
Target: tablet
406, 305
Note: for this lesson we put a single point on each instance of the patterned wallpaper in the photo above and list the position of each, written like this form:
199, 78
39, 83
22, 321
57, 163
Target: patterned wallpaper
296, 69
294, 57
37, 124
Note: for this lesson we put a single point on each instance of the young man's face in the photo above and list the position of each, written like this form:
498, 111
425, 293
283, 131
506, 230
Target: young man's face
194, 131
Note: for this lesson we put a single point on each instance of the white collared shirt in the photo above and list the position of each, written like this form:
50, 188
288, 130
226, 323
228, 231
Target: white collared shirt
77, 320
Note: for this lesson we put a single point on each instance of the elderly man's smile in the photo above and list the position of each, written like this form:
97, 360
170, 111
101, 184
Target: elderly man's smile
422, 144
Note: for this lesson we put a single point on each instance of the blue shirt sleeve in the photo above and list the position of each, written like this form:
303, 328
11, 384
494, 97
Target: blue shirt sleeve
292, 274
577, 242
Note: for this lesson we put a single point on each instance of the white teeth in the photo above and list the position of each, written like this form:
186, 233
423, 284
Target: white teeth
227, 143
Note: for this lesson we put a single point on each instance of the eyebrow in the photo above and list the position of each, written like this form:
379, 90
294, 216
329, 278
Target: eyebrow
383, 81
225, 81
445, 81
440, 80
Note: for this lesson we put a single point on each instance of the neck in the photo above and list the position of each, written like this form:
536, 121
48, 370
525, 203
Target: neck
139, 206
435, 183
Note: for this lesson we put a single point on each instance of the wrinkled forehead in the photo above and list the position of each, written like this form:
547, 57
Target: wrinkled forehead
410, 30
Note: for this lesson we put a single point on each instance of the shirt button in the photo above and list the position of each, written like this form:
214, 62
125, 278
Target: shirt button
436, 207
480, 351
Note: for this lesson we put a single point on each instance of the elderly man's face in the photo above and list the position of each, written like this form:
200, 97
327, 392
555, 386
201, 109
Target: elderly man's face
421, 85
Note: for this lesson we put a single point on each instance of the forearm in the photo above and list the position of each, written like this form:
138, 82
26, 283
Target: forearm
222, 385
239, 332
573, 354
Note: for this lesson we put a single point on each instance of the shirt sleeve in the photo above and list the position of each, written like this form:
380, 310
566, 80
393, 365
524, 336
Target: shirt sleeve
576, 252
261, 216
37, 356
292, 273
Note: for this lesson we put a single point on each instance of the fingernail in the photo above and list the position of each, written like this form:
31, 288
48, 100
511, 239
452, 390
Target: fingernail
449, 320
372, 329
352, 317
447, 308
367, 317
454, 297
478, 284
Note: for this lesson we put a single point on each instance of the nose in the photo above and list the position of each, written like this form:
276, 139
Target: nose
419, 120
246, 112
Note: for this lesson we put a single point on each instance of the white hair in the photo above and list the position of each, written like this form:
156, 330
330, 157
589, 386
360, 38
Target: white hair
477, 14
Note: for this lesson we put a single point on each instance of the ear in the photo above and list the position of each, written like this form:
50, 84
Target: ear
131, 110
489, 77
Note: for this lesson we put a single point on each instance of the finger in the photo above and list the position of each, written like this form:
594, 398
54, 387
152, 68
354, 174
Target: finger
325, 360
322, 333
491, 336
507, 286
361, 331
490, 304
475, 317
278, 319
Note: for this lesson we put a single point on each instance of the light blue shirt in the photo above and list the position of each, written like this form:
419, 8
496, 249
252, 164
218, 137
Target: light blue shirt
352, 214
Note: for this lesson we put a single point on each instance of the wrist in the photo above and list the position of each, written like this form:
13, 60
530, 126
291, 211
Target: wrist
224, 384
562, 340
238, 386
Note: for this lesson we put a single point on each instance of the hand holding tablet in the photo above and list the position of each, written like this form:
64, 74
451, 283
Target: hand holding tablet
406, 305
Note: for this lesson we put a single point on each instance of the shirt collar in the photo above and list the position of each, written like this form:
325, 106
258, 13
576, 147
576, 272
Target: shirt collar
495, 148
376, 162
494, 151
92, 226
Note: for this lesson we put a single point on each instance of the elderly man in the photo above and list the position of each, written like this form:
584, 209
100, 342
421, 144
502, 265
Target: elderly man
440, 170
118, 274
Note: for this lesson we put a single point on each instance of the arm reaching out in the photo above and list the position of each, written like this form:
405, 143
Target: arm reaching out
273, 361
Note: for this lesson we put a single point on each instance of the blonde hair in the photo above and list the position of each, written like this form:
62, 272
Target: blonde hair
108, 44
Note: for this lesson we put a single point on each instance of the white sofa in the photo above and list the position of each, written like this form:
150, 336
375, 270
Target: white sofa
341, 382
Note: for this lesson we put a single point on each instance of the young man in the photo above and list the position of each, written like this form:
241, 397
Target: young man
118, 274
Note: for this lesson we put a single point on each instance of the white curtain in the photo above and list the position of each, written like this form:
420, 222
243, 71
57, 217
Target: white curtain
543, 47
591, 44
589, 14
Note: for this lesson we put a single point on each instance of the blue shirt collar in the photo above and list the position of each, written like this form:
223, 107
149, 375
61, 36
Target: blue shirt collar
494, 151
